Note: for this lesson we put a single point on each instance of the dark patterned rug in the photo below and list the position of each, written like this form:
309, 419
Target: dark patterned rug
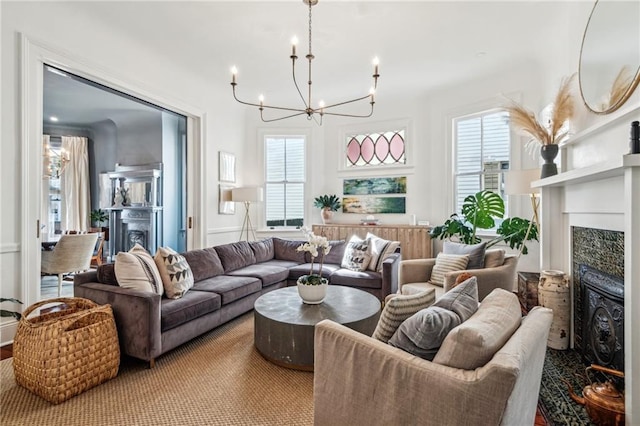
555, 403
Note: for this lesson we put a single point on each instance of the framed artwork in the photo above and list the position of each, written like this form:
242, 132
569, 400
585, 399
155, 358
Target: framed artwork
225, 205
369, 205
374, 186
226, 167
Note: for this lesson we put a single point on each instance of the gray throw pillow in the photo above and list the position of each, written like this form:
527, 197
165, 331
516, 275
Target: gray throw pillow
475, 252
422, 334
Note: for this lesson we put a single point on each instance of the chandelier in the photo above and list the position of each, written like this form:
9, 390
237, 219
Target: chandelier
310, 111
55, 162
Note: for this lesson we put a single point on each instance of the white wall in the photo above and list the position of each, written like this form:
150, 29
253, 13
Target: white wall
85, 38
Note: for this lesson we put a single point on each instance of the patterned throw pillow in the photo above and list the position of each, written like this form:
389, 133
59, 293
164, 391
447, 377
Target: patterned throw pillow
398, 309
422, 334
137, 270
447, 263
356, 255
176, 274
380, 249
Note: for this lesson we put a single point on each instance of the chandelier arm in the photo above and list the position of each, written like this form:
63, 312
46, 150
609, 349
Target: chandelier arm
295, 82
337, 114
301, 111
280, 118
347, 102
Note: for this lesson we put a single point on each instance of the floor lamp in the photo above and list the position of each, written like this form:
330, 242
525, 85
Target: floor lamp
247, 195
518, 182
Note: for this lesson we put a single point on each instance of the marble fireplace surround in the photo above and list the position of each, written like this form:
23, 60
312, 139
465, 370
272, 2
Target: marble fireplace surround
604, 195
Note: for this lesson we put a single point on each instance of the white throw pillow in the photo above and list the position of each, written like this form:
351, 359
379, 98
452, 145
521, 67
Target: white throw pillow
447, 263
137, 270
380, 249
175, 271
356, 254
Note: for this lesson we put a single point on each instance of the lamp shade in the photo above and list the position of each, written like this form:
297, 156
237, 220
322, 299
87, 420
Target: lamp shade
518, 182
251, 194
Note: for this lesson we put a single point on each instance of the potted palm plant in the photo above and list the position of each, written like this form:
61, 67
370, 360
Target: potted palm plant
328, 204
98, 217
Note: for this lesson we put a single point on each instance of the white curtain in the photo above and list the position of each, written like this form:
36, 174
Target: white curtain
46, 226
74, 184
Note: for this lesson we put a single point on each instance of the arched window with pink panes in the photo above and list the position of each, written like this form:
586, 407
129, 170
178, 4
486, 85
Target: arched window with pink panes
376, 149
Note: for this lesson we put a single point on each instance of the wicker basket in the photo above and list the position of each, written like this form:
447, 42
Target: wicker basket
62, 353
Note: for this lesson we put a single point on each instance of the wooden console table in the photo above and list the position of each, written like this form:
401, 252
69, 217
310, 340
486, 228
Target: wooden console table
415, 241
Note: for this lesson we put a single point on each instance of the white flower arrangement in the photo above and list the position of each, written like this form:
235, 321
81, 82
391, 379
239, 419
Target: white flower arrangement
316, 246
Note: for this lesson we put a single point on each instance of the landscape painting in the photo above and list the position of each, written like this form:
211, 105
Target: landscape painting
375, 186
371, 205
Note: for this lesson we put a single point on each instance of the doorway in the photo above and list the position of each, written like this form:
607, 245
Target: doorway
35, 57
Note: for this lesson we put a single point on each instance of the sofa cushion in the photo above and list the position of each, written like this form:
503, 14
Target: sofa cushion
398, 309
194, 304
349, 278
297, 271
447, 263
137, 270
228, 287
423, 333
204, 263
380, 249
235, 255
475, 252
287, 250
263, 250
336, 253
281, 263
356, 254
106, 274
474, 342
494, 258
269, 274
175, 272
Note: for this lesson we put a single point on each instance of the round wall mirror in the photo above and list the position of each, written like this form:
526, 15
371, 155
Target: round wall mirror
609, 68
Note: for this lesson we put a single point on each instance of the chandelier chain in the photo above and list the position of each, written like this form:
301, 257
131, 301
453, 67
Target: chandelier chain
310, 29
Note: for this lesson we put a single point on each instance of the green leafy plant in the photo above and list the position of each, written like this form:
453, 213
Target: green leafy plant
98, 216
331, 202
6, 313
479, 211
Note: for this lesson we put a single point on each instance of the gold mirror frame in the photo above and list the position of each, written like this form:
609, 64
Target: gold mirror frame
622, 91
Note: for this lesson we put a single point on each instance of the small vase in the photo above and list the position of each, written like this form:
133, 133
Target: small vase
312, 294
327, 215
554, 293
548, 154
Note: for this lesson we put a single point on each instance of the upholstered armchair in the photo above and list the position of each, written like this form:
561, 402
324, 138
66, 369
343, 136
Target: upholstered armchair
414, 276
72, 253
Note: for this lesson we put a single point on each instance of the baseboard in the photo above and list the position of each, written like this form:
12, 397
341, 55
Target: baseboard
7, 332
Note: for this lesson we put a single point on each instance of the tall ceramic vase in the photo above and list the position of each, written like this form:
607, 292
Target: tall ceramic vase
327, 215
553, 293
548, 154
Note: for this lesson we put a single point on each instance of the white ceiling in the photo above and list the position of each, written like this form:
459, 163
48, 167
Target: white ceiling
422, 45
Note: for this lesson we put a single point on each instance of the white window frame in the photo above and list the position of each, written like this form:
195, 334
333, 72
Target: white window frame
263, 134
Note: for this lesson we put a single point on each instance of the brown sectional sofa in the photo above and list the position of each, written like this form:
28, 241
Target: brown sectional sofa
227, 281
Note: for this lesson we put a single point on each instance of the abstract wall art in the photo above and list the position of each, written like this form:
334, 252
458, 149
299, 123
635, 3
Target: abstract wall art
375, 186
371, 205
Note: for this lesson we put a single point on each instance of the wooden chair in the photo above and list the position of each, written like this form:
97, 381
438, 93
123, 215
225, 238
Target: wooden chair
96, 258
71, 254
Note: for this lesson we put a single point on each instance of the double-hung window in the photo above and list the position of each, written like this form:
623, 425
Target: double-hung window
481, 154
285, 180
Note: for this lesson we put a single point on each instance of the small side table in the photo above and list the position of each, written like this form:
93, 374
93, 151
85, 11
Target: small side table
528, 289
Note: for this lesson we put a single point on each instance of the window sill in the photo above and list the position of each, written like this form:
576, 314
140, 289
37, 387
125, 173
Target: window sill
279, 230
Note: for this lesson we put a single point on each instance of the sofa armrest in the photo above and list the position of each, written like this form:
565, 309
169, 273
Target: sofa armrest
415, 271
390, 269
400, 388
137, 315
488, 278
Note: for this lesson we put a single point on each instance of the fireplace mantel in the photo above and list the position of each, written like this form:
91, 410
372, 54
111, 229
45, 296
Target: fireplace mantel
604, 195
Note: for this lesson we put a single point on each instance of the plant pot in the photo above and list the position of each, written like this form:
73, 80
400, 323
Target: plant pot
548, 154
312, 294
327, 215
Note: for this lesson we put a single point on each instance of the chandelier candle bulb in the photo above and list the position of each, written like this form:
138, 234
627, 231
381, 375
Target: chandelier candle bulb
294, 43
234, 73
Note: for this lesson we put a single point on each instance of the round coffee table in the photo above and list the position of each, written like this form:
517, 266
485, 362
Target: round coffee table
284, 326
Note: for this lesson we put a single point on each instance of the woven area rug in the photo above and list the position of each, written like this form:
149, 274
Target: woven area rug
216, 379
555, 402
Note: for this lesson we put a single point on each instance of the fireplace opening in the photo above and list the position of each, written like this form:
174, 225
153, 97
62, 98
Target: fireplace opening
603, 318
